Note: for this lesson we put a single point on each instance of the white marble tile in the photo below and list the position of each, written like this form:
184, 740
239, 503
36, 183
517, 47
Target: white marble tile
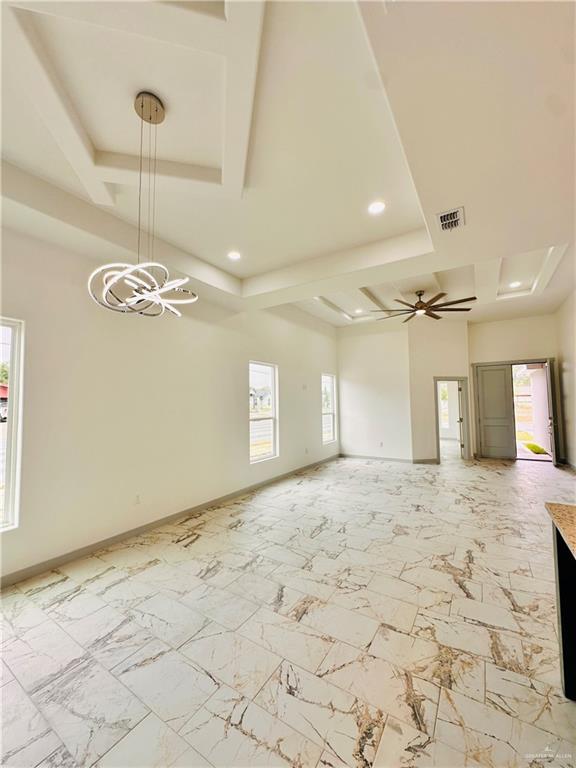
433, 600
220, 605
232, 731
169, 683
504, 742
390, 688
263, 590
27, 739
448, 667
381, 608
337, 721
345, 625
151, 744
41, 654
108, 636
232, 659
167, 619
453, 582
288, 638
89, 710
531, 701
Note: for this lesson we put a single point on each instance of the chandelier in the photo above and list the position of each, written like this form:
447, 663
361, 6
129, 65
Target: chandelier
142, 288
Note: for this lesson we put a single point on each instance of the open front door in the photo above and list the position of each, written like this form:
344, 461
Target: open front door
497, 430
553, 415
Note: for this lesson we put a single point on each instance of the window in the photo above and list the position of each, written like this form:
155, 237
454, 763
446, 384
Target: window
263, 412
328, 408
11, 339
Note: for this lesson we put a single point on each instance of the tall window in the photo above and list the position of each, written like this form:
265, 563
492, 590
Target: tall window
11, 339
328, 408
263, 412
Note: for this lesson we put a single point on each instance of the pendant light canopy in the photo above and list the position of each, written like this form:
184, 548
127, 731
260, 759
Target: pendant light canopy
143, 288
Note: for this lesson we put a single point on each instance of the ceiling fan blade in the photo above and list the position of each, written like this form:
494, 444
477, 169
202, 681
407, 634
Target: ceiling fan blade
396, 314
434, 299
391, 310
409, 317
431, 314
405, 303
458, 301
451, 309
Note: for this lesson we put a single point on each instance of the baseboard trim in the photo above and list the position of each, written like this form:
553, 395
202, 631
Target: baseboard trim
425, 461
373, 458
47, 565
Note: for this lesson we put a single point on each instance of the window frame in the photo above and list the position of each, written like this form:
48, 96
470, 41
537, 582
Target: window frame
333, 412
274, 417
11, 514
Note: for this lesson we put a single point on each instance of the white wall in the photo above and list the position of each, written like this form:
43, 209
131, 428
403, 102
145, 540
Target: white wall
374, 392
519, 339
116, 407
566, 343
436, 349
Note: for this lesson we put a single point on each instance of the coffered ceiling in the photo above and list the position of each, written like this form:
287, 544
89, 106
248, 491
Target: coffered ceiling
283, 122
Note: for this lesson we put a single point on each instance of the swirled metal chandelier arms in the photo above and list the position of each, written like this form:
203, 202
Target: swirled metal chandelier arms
142, 288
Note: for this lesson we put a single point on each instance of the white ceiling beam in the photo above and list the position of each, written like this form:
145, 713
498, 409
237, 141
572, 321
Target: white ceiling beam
52, 103
51, 201
124, 169
549, 266
168, 22
241, 74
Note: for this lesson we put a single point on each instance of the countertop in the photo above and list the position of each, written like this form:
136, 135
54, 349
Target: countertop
564, 518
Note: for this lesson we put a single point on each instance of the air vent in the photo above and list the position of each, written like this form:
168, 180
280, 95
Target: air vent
451, 219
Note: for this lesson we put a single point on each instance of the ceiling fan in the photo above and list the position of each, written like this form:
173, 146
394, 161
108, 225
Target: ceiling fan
428, 308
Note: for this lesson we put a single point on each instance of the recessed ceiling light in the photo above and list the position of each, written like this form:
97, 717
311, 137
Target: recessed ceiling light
515, 284
358, 311
376, 207
234, 255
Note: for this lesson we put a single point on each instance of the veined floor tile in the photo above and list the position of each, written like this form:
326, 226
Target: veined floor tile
168, 620
350, 627
220, 605
169, 683
504, 742
108, 635
287, 638
231, 658
390, 688
337, 721
232, 731
451, 668
151, 744
27, 739
448, 580
355, 581
264, 590
403, 746
89, 710
433, 600
531, 701
41, 654
384, 609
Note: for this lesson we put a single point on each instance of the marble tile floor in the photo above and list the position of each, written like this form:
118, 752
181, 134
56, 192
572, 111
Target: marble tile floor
361, 613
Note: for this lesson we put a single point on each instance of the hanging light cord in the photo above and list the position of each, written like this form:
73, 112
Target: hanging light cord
140, 188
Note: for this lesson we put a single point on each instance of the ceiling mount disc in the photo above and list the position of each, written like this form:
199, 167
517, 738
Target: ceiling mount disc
149, 108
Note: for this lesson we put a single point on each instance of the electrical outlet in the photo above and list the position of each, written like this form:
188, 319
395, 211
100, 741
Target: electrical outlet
306, 450
381, 444
137, 499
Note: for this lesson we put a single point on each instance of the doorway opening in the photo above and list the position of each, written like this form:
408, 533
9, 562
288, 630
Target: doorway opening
452, 432
532, 421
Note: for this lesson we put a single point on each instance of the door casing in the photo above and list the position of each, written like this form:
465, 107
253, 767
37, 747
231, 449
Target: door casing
464, 415
554, 403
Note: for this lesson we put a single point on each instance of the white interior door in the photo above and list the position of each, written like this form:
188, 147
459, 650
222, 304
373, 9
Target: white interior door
553, 418
497, 429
